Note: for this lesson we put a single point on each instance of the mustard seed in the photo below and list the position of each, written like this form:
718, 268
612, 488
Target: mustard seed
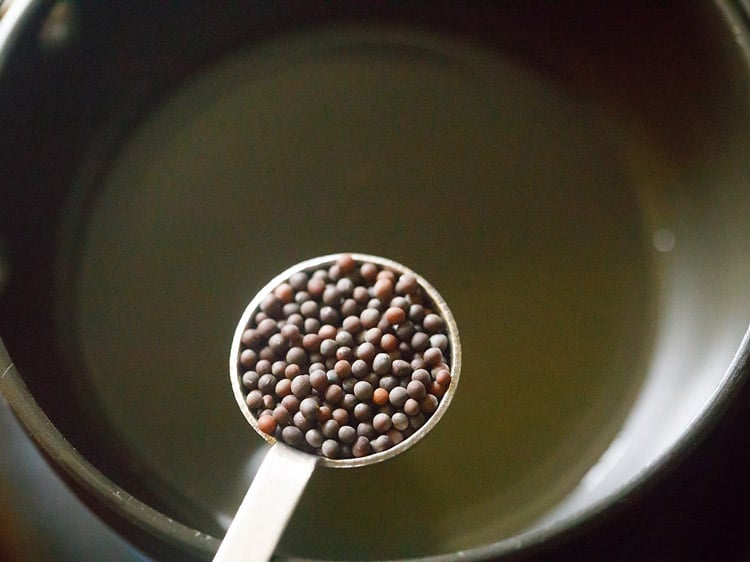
443, 377
411, 407
314, 438
292, 371
284, 292
301, 386
381, 443
248, 358
334, 272
296, 319
432, 323
331, 295
309, 309
381, 363
250, 380
263, 367
334, 394
423, 376
331, 448
400, 368
388, 383
429, 404
254, 399
407, 284
386, 274
346, 263
250, 338
328, 348
437, 389
369, 317
365, 429
395, 436
292, 436
389, 343
349, 308
366, 351
382, 423
416, 390
344, 338
272, 306
395, 315
347, 434
269, 402
298, 281
309, 408
345, 286
361, 447
319, 380
301, 422
398, 396
380, 396
329, 315
266, 328
383, 289
368, 271
267, 424
432, 356
311, 325
362, 412
291, 403
324, 413
360, 369
297, 356
316, 285
352, 324
341, 416
360, 294
265, 354
283, 388
348, 385
311, 342
416, 313
289, 310
400, 421
343, 368
281, 415
440, 341
278, 368
330, 428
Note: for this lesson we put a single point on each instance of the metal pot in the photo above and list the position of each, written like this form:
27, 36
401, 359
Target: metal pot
571, 177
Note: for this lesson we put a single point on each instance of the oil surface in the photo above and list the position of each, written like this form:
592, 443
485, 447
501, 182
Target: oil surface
510, 195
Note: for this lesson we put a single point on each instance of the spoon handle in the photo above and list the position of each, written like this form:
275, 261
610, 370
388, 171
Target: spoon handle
267, 507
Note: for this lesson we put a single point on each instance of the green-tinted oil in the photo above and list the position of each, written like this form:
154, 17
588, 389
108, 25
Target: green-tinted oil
509, 195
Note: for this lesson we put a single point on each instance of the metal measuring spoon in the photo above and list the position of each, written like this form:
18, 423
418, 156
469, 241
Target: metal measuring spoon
285, 471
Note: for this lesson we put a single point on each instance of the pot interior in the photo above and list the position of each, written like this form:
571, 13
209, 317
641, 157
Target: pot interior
577, 194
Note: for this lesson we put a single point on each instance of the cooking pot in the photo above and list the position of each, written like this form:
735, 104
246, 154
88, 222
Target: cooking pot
572, 177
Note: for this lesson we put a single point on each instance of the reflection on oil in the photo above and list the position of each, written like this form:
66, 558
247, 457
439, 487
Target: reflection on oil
663, 240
